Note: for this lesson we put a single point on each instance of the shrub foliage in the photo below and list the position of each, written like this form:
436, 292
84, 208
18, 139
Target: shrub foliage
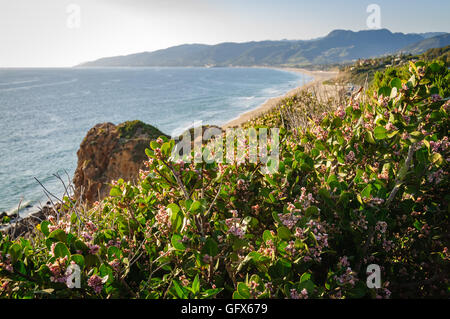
364, 184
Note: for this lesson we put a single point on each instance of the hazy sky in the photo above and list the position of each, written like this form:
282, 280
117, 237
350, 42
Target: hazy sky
51, 33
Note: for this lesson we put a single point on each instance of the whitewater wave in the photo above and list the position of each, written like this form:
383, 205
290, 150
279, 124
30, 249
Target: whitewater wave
18, 82
38, 85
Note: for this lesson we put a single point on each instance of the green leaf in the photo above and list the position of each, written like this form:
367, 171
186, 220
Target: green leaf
79, 260
397, 83
61, 250
306, 276
284, 233
210, 247
236, 295
267, 235
211, 292
114, 252
196, 285
165, 149
369, 137
434, 67
16, 252
385, 91
115, 192
176, 216
58, 235
80, 245
366, 191
149, 152
437, 159
44, 227
154, 145
174, 208
179, 290
380, 132
243, 290
312, 211
92, 261
177, 242
196, 205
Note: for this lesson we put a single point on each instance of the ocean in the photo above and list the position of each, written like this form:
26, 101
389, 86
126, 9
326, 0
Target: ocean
45, 113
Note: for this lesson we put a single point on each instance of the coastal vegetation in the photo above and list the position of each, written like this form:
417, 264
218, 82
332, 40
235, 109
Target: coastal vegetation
370, 70
360, 183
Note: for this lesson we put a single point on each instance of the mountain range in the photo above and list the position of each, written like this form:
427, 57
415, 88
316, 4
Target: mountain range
337, 47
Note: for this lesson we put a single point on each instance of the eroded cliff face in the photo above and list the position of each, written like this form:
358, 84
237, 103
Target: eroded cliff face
109, 152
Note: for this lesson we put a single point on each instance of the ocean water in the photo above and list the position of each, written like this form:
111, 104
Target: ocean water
45, 113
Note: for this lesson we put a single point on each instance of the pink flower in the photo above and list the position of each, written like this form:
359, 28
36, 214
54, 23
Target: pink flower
390, 127
436, 98
350, 157
96, 283
93, 249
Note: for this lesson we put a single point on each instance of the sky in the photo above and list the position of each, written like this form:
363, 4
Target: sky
64, 33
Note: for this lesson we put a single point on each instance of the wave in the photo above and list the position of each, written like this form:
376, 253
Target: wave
18, 82
38, 86
25, 205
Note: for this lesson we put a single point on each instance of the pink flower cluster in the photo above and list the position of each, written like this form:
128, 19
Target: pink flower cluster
96, 283
268, 248
295, 295
163, 219
350, 157
289, 220
305, 199
235, 227
348, 277
436, 177
441, 145
381, 226
340, 112
58, 269
5, 263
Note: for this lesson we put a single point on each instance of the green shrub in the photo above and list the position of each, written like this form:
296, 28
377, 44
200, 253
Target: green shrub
366, 184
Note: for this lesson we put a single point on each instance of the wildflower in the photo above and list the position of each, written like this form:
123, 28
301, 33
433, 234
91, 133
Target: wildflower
93, 249
350, 157
343, 262
289, 220
290, 248
436, 98
91, 226
340, 112
390, 127
381, 226
115, 264
294, 294
237, 231
86, 236
96, 283
207, 259
383, 175
184, 281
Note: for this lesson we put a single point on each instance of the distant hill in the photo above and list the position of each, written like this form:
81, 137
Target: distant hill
338, 46
428, 43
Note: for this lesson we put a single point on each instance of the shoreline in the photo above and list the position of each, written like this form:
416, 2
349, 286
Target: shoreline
318, 78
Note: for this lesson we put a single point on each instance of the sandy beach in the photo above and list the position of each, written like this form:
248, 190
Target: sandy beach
318, 78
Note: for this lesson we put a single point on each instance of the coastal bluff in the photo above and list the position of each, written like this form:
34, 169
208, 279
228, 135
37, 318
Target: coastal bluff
109, 152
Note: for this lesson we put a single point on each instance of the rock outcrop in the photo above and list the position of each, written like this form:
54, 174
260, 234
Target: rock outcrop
109, 152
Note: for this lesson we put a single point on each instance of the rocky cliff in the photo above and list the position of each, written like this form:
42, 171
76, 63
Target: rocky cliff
109, 152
